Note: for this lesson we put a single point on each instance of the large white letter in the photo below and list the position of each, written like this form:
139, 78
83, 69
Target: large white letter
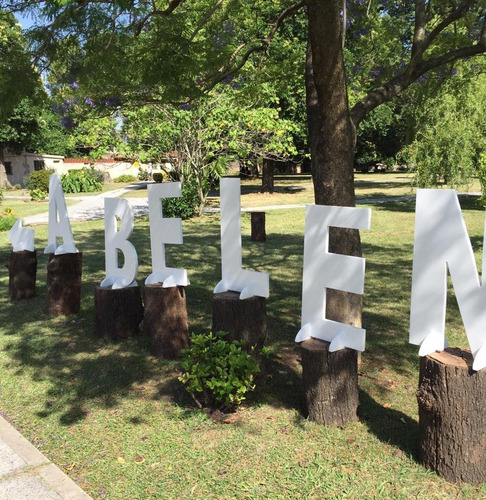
234, 277
59, 226
117, 277
441, 240
327, 270
164, 231
22, 238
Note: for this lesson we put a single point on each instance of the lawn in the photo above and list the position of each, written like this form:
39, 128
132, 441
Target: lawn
118, 422
23, 208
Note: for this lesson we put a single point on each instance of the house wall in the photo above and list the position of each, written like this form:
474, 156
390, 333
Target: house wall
23, 164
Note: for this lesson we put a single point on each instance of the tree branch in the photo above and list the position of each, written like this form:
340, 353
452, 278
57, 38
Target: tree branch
206, 18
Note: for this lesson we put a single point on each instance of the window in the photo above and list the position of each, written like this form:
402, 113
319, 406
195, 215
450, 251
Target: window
39, 164
8, 167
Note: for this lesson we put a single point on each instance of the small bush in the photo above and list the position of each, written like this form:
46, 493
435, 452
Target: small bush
17, 186
185, 206
125, 178
38, 180
143, 174
37, 194
158, 176
217, 373
7, 222
80, 181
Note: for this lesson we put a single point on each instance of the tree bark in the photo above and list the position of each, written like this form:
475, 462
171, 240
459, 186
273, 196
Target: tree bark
258, 226
22, 271
330, 383
267, 176
165, 320
452, 417
243, 319
118, 313
63, 294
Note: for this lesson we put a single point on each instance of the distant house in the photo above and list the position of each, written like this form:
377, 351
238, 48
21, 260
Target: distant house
19, 166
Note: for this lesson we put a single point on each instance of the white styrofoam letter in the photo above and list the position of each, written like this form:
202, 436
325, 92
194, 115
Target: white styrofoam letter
234, 277
441, 241
22, 238
117, 277
59, 226
164, 231
323, 270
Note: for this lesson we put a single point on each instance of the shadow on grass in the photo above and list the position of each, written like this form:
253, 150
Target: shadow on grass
388, 425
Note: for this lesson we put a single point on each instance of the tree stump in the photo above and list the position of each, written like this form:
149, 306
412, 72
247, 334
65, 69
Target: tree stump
165, 320
258, 226
330, 383
243, 319
22, 271
452, 416
118, 312
63, 294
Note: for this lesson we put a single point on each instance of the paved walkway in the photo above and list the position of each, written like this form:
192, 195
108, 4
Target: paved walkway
26, 474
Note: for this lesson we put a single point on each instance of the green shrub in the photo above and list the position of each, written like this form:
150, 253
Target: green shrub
143, 174
217, 373
38, 180
37, 194
158, 176
6, 222
17, 186
125, 178
185, 206
80, 181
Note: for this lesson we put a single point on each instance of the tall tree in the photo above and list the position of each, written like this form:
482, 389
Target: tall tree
157, 51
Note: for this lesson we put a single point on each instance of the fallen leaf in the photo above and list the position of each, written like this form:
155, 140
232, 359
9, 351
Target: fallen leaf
139, 460
120, 460
387, 405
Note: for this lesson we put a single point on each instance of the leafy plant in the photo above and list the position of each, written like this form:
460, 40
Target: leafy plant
80, 181
38, 180
217, 373
158, 176
37, 194
6, 222
143, 174
184, 207
125, 178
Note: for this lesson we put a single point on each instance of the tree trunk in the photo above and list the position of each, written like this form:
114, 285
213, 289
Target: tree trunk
258, 226
243, 319
330, 383
331, 140
267, 175
452, 417
165, 320
22, 271
118, 313
63, 294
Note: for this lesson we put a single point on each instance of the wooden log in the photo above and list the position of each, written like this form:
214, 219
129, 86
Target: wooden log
258, 226
330, 383
165, 320
243, 319
452, 416
63, 294
22, 271
118, 313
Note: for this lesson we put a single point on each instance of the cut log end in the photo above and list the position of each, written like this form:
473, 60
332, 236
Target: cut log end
452, 417
22, 270
118, 312
242, 319
165, 320
330, 383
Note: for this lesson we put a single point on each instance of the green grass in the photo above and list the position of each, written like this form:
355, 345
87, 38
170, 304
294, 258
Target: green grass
23, 208
119, 423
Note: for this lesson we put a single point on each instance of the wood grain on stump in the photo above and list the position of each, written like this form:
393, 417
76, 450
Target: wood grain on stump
243, 319
452, 416
63, 294
22, 272
330, 383
165, 320
118, 312
258, 226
